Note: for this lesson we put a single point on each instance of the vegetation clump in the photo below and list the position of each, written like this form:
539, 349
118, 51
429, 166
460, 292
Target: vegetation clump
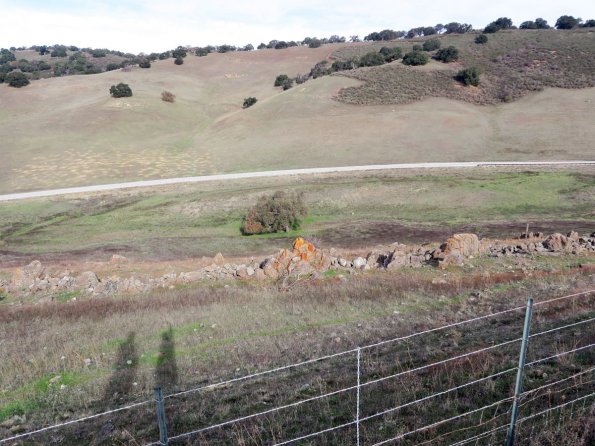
415, 58
280, 212
446, 55
391, 54
469, 76
431, 45
168, 96
280, 79
249, 102
120, 91
16, 79
481, 39
372, 59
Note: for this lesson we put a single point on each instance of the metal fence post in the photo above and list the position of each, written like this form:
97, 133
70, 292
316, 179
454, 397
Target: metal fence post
518, 388
163, 440
357, 412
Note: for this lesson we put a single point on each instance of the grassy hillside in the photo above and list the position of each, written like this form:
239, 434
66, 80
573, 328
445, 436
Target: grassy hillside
513, 63
68, 131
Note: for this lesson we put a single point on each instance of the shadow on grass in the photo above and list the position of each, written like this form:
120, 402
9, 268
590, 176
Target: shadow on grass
166, 373
123, 377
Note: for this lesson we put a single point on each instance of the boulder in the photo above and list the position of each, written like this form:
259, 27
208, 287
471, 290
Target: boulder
87, 280
456, 248
556, 242
359, 262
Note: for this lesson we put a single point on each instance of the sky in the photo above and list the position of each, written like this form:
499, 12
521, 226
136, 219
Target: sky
155, 25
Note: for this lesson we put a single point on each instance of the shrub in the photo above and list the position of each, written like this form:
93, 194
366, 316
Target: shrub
168, 96
481, 39
415, 58
58, 51
371, 59
16, 79
178, 61
287, 84
280, 79
120, 91
112, 66
6, 56
320, 69
391, 54
449, 54
249, 102
165, 55
431, 45
145, 63
469, 76
418, 48
280, 212
314, 43
179, 52
201, 52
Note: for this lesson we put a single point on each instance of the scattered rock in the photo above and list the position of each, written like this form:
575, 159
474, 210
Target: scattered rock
359, 262
219, 260
117, 258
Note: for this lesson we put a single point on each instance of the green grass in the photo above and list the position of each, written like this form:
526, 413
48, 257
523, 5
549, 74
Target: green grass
205, 221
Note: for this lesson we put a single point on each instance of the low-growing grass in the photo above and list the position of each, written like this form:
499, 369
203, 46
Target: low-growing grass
343, 211
116, 349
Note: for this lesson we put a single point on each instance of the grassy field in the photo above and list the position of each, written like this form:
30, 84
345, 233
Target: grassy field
115, 349
354, 211
68, 131
513, 63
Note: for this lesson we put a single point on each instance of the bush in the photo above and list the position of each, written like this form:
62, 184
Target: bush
280, 79
168, 96
431, 45
446, 55
418, 48
249, 102
6, 56
58, 51
120, 91
178, 61
391, 54
481, 39
280, 212
112, 66
469, 76
371, 59
201, 52
145, 63
179, 52
415, 58
16, 79
314, 43
287, 84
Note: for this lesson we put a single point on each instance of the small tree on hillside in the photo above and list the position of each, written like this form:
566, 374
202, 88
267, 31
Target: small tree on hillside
431, 45
481, 39
469, 76
145, 63
391, 54
180, 52
178, 61
16, 79
120, 91
371, 59
280, 212
446, 55
249, 102
281, 79
415, 58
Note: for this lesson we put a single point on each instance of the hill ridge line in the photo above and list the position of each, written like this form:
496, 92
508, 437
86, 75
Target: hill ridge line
280, 173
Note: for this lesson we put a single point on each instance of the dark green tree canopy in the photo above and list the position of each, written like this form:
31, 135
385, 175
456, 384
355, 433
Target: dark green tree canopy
280, 79
415, 58
448, 54
280, 212
371, 59
431, 45
16, 79
391, 54
249, 102
481, 39
120, 91
567, 22
469, 76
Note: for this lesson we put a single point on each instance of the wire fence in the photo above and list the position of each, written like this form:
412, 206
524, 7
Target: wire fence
521, 397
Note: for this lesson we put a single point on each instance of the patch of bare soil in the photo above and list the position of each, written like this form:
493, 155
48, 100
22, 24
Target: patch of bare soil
362, 234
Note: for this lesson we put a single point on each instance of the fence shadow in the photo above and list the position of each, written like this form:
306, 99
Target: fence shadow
125, 369
166, 372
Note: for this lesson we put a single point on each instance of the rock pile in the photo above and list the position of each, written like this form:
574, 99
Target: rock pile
304, 259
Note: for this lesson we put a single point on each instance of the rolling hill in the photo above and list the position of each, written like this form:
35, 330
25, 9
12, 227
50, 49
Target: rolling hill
68, 131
